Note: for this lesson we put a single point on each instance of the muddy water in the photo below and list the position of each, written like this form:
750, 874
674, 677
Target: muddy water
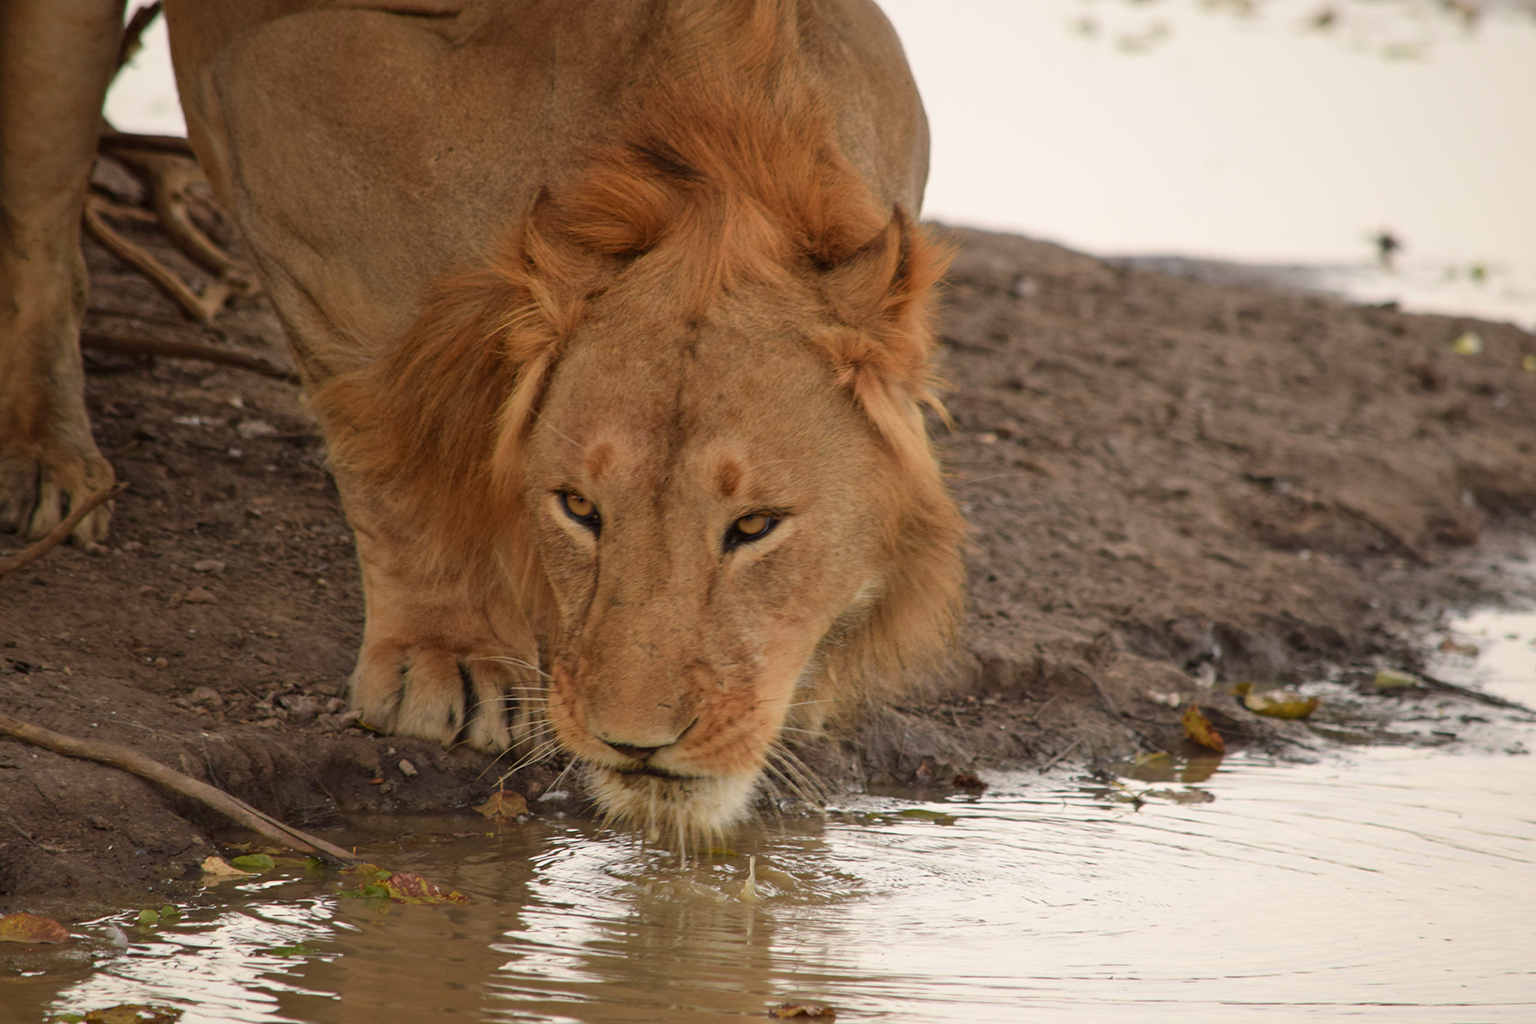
1391, 883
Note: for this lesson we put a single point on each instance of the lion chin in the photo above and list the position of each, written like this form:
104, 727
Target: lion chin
690, 811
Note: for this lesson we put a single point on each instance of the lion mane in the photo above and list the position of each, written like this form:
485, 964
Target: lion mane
720, 179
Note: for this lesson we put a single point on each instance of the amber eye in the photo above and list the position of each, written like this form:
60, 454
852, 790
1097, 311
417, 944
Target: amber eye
749, 528
580, 509
752, 526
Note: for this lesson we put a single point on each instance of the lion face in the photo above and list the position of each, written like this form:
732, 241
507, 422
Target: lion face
707, 515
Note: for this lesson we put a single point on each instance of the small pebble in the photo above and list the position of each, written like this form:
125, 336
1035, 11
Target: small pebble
407, 769
206, 695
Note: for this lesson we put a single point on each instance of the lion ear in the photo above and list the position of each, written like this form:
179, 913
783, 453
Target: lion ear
885, 287
884, 295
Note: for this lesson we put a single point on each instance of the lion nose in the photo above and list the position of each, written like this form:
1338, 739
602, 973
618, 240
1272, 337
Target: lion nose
638, 753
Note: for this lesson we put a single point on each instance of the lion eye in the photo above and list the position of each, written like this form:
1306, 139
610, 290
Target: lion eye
748, 529
580, 509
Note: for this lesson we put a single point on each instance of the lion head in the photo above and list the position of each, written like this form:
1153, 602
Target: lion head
677, 422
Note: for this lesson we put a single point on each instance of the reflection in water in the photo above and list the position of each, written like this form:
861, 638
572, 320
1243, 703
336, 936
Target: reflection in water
1389, 884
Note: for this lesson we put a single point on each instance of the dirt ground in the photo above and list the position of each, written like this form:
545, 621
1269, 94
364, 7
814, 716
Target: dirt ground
1174, 486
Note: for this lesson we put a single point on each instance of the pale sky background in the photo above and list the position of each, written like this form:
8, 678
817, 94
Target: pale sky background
1226, 136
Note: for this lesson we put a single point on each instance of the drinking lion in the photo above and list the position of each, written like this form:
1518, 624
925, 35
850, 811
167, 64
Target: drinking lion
615, 315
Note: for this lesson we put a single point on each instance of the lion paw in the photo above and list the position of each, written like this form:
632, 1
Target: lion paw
38, 489
479, 697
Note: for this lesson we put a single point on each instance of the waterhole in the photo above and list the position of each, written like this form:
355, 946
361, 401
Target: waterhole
1392, 881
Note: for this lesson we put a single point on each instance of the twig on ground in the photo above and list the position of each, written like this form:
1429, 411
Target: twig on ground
144, 345
1052, 762
59, 534
201, 308
171, 178
1109, 709
130, 760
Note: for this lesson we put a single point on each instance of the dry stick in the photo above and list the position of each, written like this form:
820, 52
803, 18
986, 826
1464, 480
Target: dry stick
130, 760
1052, 762
144, 345
199, 307
171, 177
60, 533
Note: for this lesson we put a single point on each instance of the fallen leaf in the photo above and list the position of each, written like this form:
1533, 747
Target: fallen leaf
24, 927
1469, 343
298, 949
1280, 704
217, 869
504, 805
253, 862
923, 814
1157, 757
1391, 679
784, 1011
134, 1013
366, 869
1199, 729
1452, 647
404, 887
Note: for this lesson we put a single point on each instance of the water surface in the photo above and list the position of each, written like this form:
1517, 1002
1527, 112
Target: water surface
1391, 883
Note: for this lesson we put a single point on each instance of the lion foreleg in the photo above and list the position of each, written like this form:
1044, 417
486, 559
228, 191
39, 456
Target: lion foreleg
56, 59
442, 658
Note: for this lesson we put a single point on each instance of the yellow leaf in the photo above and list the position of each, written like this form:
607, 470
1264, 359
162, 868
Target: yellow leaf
217, 869
1469, 343
24, 927
1279, 704
504, 805
1199, 729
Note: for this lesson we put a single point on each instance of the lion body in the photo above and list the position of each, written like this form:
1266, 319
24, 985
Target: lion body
578, 289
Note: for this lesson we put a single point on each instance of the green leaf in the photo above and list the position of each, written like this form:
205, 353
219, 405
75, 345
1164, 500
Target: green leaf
923, 814
1391, 679
254, 862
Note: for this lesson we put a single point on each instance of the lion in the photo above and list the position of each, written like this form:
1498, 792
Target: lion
617, 322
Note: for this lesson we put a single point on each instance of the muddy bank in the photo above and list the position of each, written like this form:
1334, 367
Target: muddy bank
1173, 485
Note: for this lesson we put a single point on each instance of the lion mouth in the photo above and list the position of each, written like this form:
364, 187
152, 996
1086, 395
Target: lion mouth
689, 807
654, 773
